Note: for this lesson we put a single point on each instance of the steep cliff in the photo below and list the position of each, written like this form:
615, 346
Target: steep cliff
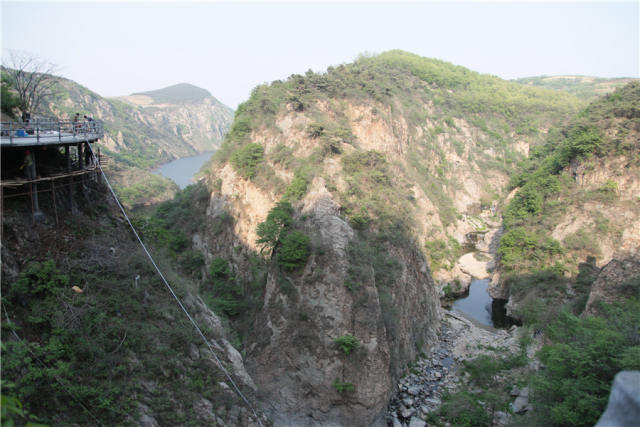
577, 198
386, 162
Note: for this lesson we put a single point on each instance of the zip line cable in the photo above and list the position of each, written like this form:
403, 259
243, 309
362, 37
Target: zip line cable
168, 286
46, 367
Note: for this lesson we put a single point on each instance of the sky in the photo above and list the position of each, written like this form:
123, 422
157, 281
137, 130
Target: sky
119, 48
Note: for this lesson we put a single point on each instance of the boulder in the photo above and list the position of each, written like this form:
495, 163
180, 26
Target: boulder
414, 391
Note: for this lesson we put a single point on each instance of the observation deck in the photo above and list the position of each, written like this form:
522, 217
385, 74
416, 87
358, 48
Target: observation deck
50, 133
49, 156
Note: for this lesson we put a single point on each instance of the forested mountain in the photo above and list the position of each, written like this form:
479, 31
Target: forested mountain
452, 137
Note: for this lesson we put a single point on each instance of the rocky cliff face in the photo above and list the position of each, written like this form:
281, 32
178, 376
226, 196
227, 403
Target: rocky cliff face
617, 280
291, 353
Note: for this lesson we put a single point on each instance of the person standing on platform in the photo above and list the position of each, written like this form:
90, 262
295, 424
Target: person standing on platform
90, 122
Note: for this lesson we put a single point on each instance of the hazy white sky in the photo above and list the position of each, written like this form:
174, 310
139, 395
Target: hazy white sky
117, 48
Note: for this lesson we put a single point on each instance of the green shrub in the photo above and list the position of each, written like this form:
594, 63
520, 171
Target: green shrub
464, 410
347, 343
219, 268
192, 262
246, 159
297, 189
340, 386
581, 362
278, 218
294, 251
449, 121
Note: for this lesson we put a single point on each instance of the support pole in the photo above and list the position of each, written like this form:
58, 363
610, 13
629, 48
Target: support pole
67, 153
81, 165
53, 190
37, 213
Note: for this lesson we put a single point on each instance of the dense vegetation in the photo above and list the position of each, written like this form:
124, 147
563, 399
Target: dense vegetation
9, 100
101, 331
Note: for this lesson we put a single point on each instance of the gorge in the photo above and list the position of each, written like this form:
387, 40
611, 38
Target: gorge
316, 248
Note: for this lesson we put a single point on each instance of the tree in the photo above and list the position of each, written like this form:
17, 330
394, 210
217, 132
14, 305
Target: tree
9, 100
294, 251
31, 77
279, 217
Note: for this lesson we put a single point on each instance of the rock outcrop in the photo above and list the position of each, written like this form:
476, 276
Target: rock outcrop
617, 280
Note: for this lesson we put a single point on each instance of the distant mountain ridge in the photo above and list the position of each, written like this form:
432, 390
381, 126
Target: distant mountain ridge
585, 87
182, 93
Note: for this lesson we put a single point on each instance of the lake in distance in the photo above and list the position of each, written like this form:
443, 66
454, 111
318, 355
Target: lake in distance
182, 170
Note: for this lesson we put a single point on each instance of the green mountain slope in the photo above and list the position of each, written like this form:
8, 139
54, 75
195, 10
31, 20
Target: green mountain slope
454, 135
578, 199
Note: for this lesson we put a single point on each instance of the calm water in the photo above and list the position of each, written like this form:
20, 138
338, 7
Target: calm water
478, 305
183, 169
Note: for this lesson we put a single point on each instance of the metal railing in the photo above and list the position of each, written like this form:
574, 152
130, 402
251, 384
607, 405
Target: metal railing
45, 131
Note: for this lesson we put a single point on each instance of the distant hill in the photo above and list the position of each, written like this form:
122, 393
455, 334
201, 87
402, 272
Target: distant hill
143, 131
583, 87
182, 93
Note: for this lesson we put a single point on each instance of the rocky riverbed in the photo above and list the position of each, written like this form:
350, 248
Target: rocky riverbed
420, 392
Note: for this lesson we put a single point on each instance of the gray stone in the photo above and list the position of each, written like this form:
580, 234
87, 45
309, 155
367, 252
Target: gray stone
521, 403
524, 392
414, 391
396, 422
417, 422
194, 353
515, 391
623, 408
405, 413
433, 402
501, 419
407, 402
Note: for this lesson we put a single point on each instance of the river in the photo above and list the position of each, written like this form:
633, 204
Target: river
182, 170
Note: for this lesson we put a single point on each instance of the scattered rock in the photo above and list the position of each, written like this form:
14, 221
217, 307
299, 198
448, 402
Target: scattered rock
414, 391
417, 422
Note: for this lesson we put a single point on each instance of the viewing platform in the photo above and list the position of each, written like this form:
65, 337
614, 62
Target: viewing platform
49, 156
50, 132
